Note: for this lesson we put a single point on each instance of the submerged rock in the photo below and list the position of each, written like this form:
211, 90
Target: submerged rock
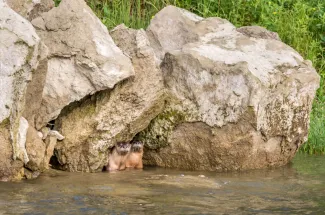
95, 125
82, 58
236, 102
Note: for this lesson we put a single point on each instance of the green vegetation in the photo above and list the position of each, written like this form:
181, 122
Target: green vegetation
300, 23
316, 139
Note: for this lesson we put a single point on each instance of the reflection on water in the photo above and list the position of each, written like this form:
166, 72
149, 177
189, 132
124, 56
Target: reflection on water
298, 188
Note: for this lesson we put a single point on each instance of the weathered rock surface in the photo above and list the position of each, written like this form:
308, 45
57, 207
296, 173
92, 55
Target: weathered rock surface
19, 50
9, 169
258, 32
82, 57
51, 140
200, 93
94, 126
35, 87
30, 9
40, 148
237, 102
35, 149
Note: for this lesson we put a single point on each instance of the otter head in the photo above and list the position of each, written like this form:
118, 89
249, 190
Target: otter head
122, 148
137, 146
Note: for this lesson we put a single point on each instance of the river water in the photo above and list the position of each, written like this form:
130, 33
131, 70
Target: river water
298, 188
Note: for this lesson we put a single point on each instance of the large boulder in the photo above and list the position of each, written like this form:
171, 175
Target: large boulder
32, 8
82, 58
96, 124
19, 51
236, 102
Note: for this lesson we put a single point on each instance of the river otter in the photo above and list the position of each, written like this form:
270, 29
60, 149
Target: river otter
134, 158
118, 156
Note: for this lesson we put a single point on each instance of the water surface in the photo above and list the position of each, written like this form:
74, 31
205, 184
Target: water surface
298, 188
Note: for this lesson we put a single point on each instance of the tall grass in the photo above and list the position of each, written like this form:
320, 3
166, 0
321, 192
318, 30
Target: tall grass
300, 24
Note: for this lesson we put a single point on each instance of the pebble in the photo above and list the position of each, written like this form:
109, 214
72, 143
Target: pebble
202, 176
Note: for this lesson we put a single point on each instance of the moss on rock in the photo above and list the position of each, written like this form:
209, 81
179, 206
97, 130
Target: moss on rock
156, 135
5, 123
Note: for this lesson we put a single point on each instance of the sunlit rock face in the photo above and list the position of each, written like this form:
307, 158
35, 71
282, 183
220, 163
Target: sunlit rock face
200, 93
94, 126
68, 57
19, 51
82, 58
239, 99
30, 9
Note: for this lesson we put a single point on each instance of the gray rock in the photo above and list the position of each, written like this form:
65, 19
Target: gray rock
22, 133
19, 50
9, 169
237, 102
35, 88
258, 32
94, 126
30, 9
56, 134
35, 149
50, 141
31, 175
200, 93
177, 24
82, 57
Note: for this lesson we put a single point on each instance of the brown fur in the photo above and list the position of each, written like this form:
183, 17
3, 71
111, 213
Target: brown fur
118, 156
134, 158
